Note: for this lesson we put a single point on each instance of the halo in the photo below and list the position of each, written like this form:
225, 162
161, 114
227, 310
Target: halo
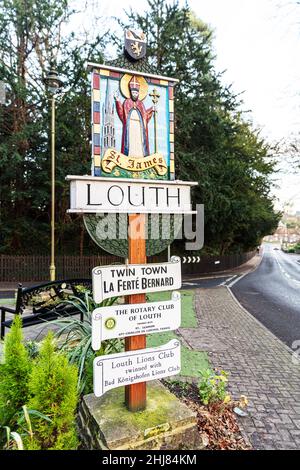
124, 86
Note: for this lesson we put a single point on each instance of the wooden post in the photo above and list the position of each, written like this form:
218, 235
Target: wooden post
135, 395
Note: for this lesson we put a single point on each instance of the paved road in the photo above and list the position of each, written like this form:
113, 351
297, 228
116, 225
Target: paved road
272, 293
260, 366
206, 283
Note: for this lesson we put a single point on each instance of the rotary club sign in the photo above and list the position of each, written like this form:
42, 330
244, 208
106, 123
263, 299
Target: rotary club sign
121, 321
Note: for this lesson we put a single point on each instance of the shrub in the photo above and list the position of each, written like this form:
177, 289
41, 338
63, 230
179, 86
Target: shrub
14, 440
76, 339
14, 374
53, 388
212, 387
32, 347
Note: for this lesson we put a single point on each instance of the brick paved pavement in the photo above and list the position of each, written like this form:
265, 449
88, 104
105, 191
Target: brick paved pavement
260, 367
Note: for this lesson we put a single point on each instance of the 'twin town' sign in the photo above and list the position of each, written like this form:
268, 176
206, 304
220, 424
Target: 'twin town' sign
119, 321
116, 280
103, 195
115, 370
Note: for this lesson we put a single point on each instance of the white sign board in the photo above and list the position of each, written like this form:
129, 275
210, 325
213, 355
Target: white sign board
119, 321
115, 280
142, 365
92, 194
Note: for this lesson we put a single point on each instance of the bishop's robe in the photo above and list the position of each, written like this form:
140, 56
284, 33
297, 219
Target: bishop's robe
135, 118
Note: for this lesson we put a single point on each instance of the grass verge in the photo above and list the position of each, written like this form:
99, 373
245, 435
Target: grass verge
192, 362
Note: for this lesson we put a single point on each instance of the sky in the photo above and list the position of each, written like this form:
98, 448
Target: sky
257, 45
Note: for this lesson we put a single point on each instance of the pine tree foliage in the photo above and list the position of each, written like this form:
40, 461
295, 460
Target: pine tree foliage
215, 144
14, 374
53, 389
33, 37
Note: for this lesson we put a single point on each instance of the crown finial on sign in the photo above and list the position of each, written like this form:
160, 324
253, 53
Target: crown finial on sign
135, 44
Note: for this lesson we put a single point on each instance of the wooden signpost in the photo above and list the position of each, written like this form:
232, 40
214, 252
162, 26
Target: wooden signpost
133, 172
135, 395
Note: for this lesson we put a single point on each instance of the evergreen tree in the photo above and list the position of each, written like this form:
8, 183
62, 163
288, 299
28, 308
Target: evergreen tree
53, 387
214, 143
32, 38
14, 374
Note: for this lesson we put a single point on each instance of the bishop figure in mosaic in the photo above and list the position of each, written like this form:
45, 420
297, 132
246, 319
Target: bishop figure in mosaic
135, 118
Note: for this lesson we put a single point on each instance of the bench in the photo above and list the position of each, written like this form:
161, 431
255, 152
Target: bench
45, 301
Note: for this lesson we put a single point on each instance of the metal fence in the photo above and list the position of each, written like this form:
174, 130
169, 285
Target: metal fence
36, 268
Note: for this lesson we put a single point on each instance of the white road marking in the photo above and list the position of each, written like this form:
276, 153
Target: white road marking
283, 271
237, 279
261, 253
227, 280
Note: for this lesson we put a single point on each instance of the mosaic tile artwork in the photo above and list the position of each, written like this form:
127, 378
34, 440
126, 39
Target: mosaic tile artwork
132, 125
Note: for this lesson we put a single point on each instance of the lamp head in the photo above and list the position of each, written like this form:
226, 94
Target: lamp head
53, 82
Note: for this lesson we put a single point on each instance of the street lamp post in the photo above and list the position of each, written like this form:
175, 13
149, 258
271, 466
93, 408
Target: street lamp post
54, 84
2, 92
